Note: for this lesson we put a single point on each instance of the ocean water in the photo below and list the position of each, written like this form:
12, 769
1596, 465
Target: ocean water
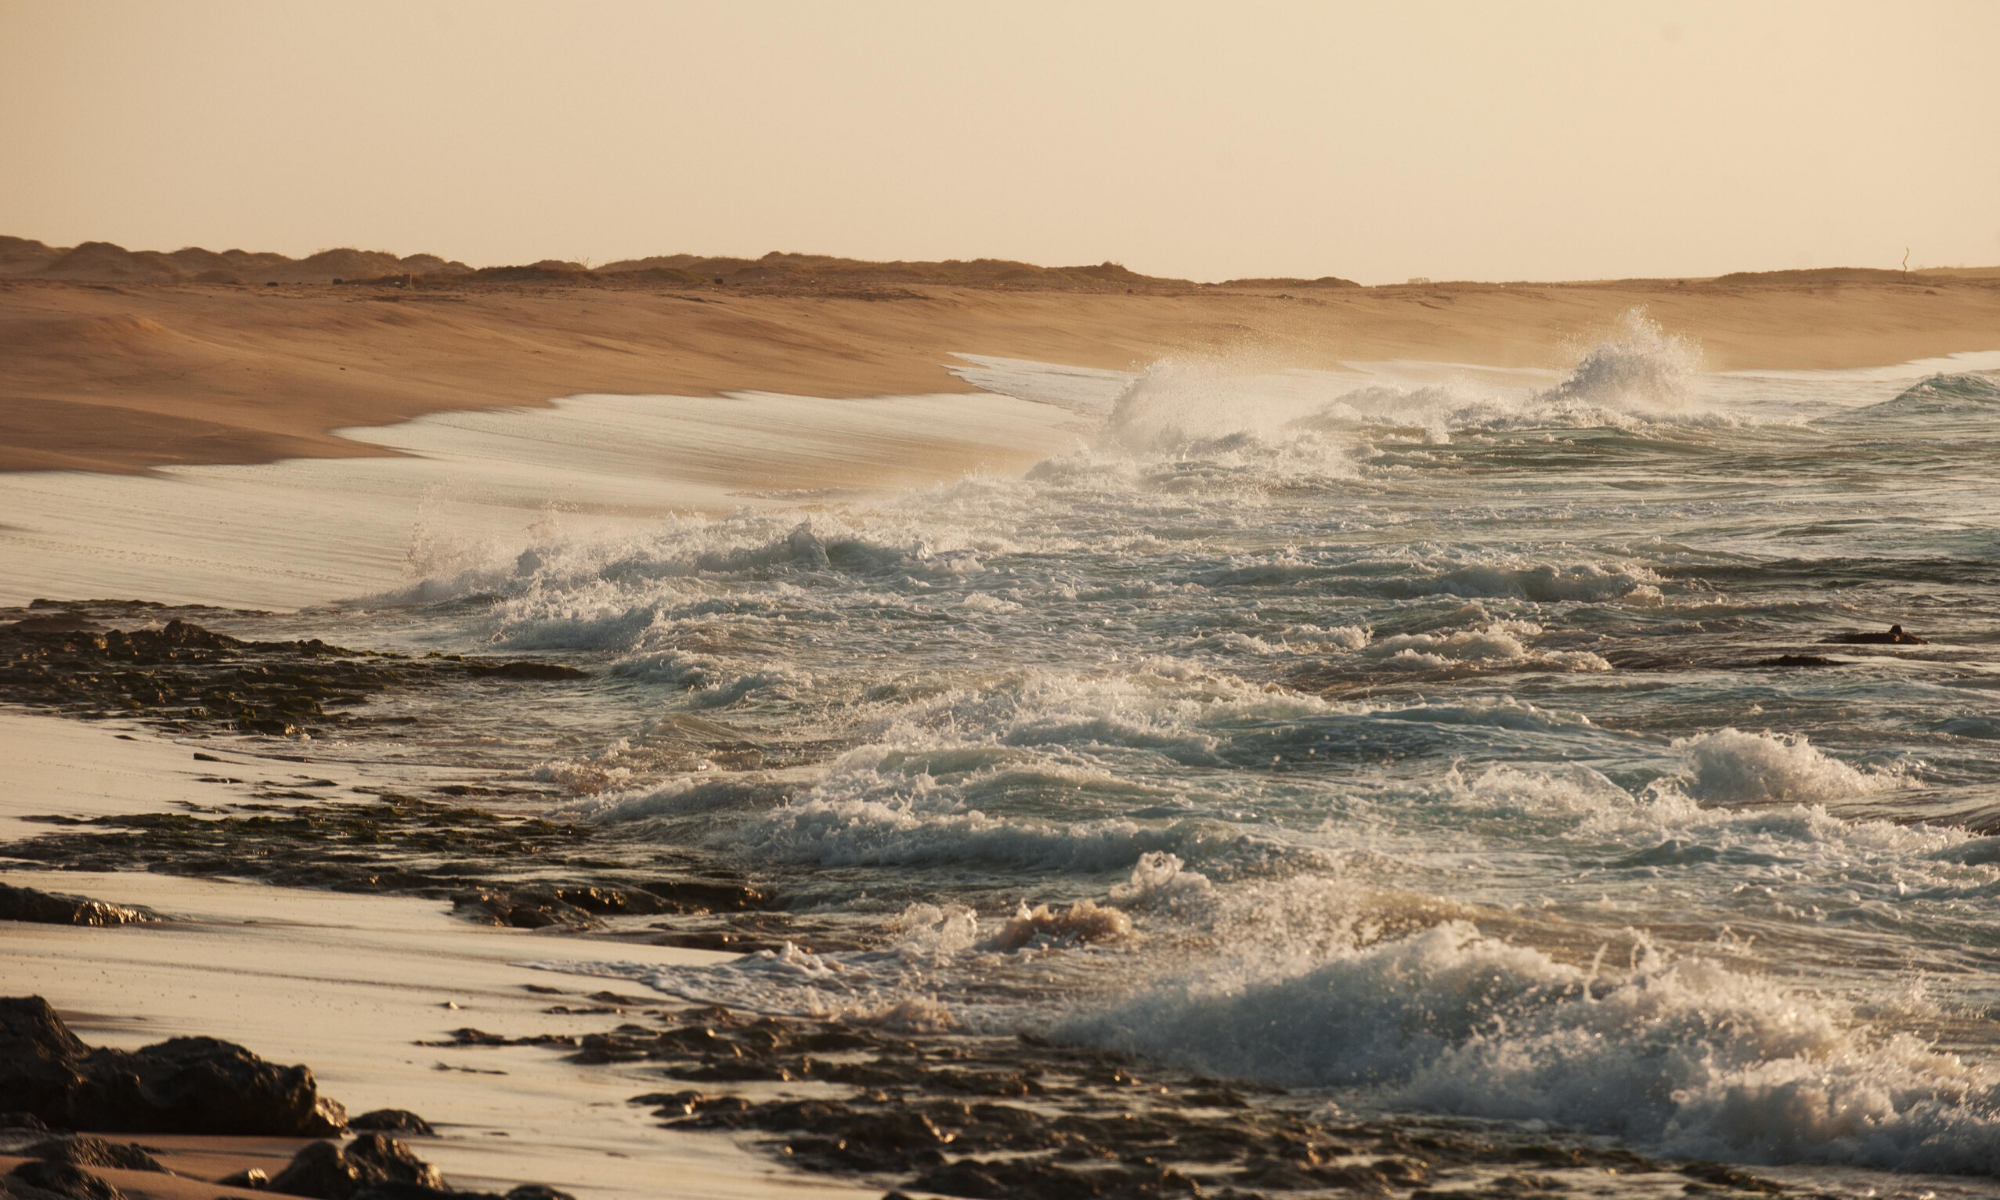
1420, 735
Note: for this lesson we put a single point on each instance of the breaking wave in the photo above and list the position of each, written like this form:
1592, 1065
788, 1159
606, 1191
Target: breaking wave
1639, 377
1682, 1055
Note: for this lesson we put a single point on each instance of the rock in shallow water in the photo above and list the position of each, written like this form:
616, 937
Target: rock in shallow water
182, 1085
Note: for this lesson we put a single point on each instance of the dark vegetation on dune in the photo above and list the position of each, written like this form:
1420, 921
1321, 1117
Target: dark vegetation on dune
103, 262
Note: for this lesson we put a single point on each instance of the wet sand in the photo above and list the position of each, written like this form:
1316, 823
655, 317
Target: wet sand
344, 984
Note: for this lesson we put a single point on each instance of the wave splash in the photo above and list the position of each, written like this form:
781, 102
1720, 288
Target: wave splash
1685, 1055
1637, 378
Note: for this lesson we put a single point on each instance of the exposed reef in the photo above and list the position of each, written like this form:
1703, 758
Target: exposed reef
188, 678
914, 1103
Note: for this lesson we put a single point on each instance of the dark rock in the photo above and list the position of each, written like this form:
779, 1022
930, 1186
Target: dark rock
39, 1057
58, 908
392, 1120
58, 622
537, 907
250, 1178
610, 997
963, 1178
523, 670
63, 1179
183, 1085
95, 1152
392, 1190
1004, 1179
1800, 660
479, 1037
183, 675
1894, 637
1730, 1177
701, 895
717, 939
390, 843
22, 1120
896, 1141
329, 1172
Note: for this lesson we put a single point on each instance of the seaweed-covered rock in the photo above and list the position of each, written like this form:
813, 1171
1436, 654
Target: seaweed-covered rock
183, 1085
58, 908
326, 1171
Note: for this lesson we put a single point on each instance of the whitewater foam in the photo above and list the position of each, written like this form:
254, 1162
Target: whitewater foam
1681, 1055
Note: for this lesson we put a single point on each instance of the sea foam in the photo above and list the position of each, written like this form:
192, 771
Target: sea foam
1681, 1055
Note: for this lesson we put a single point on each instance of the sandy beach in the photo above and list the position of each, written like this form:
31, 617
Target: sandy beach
126, 376
1302, 601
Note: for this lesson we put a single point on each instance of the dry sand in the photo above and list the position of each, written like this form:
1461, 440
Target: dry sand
126, 377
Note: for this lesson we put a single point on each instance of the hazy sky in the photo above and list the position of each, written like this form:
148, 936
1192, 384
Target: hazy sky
1375, 141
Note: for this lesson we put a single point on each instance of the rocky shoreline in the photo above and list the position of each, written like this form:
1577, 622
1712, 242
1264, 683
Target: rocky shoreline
924, 1108
901, 1099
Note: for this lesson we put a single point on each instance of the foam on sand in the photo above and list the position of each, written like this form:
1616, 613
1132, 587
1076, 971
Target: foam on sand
471, 487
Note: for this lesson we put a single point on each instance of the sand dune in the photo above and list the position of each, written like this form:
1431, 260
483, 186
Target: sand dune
100, 262
125, 373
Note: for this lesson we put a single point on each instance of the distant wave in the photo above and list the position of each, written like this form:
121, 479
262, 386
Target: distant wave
1976, 395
